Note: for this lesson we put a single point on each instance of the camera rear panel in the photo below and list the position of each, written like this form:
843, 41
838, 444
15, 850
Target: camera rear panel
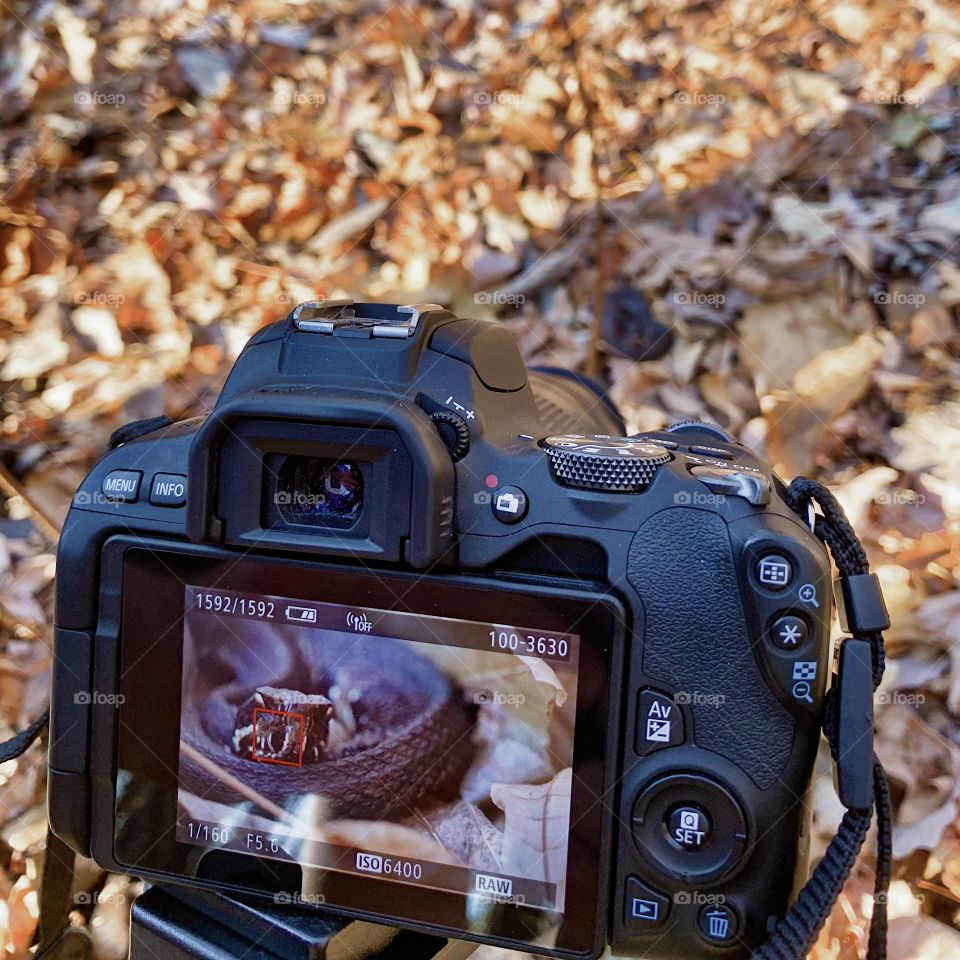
389, 440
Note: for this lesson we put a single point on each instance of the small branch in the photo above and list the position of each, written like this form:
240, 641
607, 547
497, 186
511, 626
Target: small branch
11, 487
234, 784
594, 364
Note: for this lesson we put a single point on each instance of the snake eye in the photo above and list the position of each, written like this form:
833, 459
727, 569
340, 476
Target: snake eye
319, 492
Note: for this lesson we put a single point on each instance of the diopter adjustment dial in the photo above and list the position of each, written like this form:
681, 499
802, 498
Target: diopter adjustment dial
613, 464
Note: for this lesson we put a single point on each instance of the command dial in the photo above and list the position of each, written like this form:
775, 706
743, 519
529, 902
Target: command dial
614, 464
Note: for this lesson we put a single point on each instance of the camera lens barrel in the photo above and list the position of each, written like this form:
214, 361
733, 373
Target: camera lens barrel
568, 402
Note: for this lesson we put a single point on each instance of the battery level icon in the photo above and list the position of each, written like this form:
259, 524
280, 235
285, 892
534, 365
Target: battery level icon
301, 614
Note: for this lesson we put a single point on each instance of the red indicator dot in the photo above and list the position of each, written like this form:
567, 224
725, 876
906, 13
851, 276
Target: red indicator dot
491, 480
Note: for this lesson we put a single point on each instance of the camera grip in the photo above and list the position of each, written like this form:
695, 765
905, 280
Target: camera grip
697, 641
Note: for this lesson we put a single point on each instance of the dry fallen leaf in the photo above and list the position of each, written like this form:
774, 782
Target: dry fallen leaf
535, 827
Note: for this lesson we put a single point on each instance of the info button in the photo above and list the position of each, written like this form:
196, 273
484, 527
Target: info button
168, 490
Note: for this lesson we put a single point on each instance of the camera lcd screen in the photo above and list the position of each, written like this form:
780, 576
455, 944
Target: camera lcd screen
429, 750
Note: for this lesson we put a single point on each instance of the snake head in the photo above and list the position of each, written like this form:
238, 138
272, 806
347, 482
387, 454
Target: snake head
280, 725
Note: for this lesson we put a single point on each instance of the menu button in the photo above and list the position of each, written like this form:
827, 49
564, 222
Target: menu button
122, 485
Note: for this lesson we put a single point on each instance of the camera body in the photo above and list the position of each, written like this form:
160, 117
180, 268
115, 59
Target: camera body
407, 631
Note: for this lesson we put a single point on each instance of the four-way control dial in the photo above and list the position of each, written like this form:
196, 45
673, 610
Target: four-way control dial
614, 464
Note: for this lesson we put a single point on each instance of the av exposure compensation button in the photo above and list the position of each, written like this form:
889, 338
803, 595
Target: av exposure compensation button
659, 723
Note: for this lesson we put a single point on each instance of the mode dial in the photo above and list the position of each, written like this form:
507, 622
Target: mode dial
614, 464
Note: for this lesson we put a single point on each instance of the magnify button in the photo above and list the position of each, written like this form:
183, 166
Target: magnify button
808, 594
801, 691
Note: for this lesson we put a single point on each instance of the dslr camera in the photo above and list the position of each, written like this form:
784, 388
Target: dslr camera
407, 632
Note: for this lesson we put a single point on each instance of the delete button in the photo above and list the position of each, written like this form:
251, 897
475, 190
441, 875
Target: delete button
168, 490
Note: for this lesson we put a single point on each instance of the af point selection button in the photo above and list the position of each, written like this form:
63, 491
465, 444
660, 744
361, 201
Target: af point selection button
168, 490
774, 571
509, 504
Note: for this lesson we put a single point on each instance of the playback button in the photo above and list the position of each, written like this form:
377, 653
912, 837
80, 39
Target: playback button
643, 908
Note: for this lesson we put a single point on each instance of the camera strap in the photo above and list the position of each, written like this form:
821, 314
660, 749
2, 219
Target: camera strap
57, 939
848, 728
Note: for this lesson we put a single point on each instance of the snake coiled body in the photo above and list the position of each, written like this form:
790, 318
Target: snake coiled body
409, 737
